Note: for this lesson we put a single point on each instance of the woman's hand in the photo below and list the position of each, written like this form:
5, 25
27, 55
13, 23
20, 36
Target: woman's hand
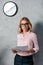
30, 50
14, 51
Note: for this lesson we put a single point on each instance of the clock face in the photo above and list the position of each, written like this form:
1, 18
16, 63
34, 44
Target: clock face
10, 8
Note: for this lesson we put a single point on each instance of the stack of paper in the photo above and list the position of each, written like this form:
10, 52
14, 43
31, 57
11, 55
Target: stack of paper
22, 48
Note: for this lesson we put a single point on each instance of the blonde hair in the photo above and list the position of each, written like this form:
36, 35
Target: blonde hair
29, 26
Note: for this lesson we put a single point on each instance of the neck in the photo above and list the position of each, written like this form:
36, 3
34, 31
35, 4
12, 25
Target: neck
24, 31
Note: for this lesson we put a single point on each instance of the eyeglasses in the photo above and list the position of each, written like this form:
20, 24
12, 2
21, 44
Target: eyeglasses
23, 24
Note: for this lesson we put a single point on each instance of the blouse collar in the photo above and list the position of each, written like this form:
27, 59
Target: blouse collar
26, 33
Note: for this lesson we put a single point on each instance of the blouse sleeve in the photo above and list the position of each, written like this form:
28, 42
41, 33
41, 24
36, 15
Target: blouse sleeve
17, 39
35, 41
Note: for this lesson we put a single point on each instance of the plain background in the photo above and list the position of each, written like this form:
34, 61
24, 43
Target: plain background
33, 9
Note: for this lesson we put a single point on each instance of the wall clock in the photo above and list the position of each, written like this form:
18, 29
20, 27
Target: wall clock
10, 8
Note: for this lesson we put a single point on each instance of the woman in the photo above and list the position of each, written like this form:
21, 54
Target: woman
26, 38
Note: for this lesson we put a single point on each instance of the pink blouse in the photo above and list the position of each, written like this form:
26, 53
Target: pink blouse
28, 39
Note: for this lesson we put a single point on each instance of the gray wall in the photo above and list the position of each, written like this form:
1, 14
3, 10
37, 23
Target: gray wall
33, 9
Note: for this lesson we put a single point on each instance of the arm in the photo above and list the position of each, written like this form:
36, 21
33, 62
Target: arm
36, 46
35, 41
18, 40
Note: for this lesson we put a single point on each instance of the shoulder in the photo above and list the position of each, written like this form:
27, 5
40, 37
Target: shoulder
19, 34
33, 34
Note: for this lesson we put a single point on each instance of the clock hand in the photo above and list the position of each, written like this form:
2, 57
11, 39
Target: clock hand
10, 9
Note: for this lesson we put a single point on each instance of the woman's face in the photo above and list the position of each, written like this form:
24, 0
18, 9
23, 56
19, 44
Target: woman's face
24, 25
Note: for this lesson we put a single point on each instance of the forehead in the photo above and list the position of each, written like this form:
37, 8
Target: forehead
23, 21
